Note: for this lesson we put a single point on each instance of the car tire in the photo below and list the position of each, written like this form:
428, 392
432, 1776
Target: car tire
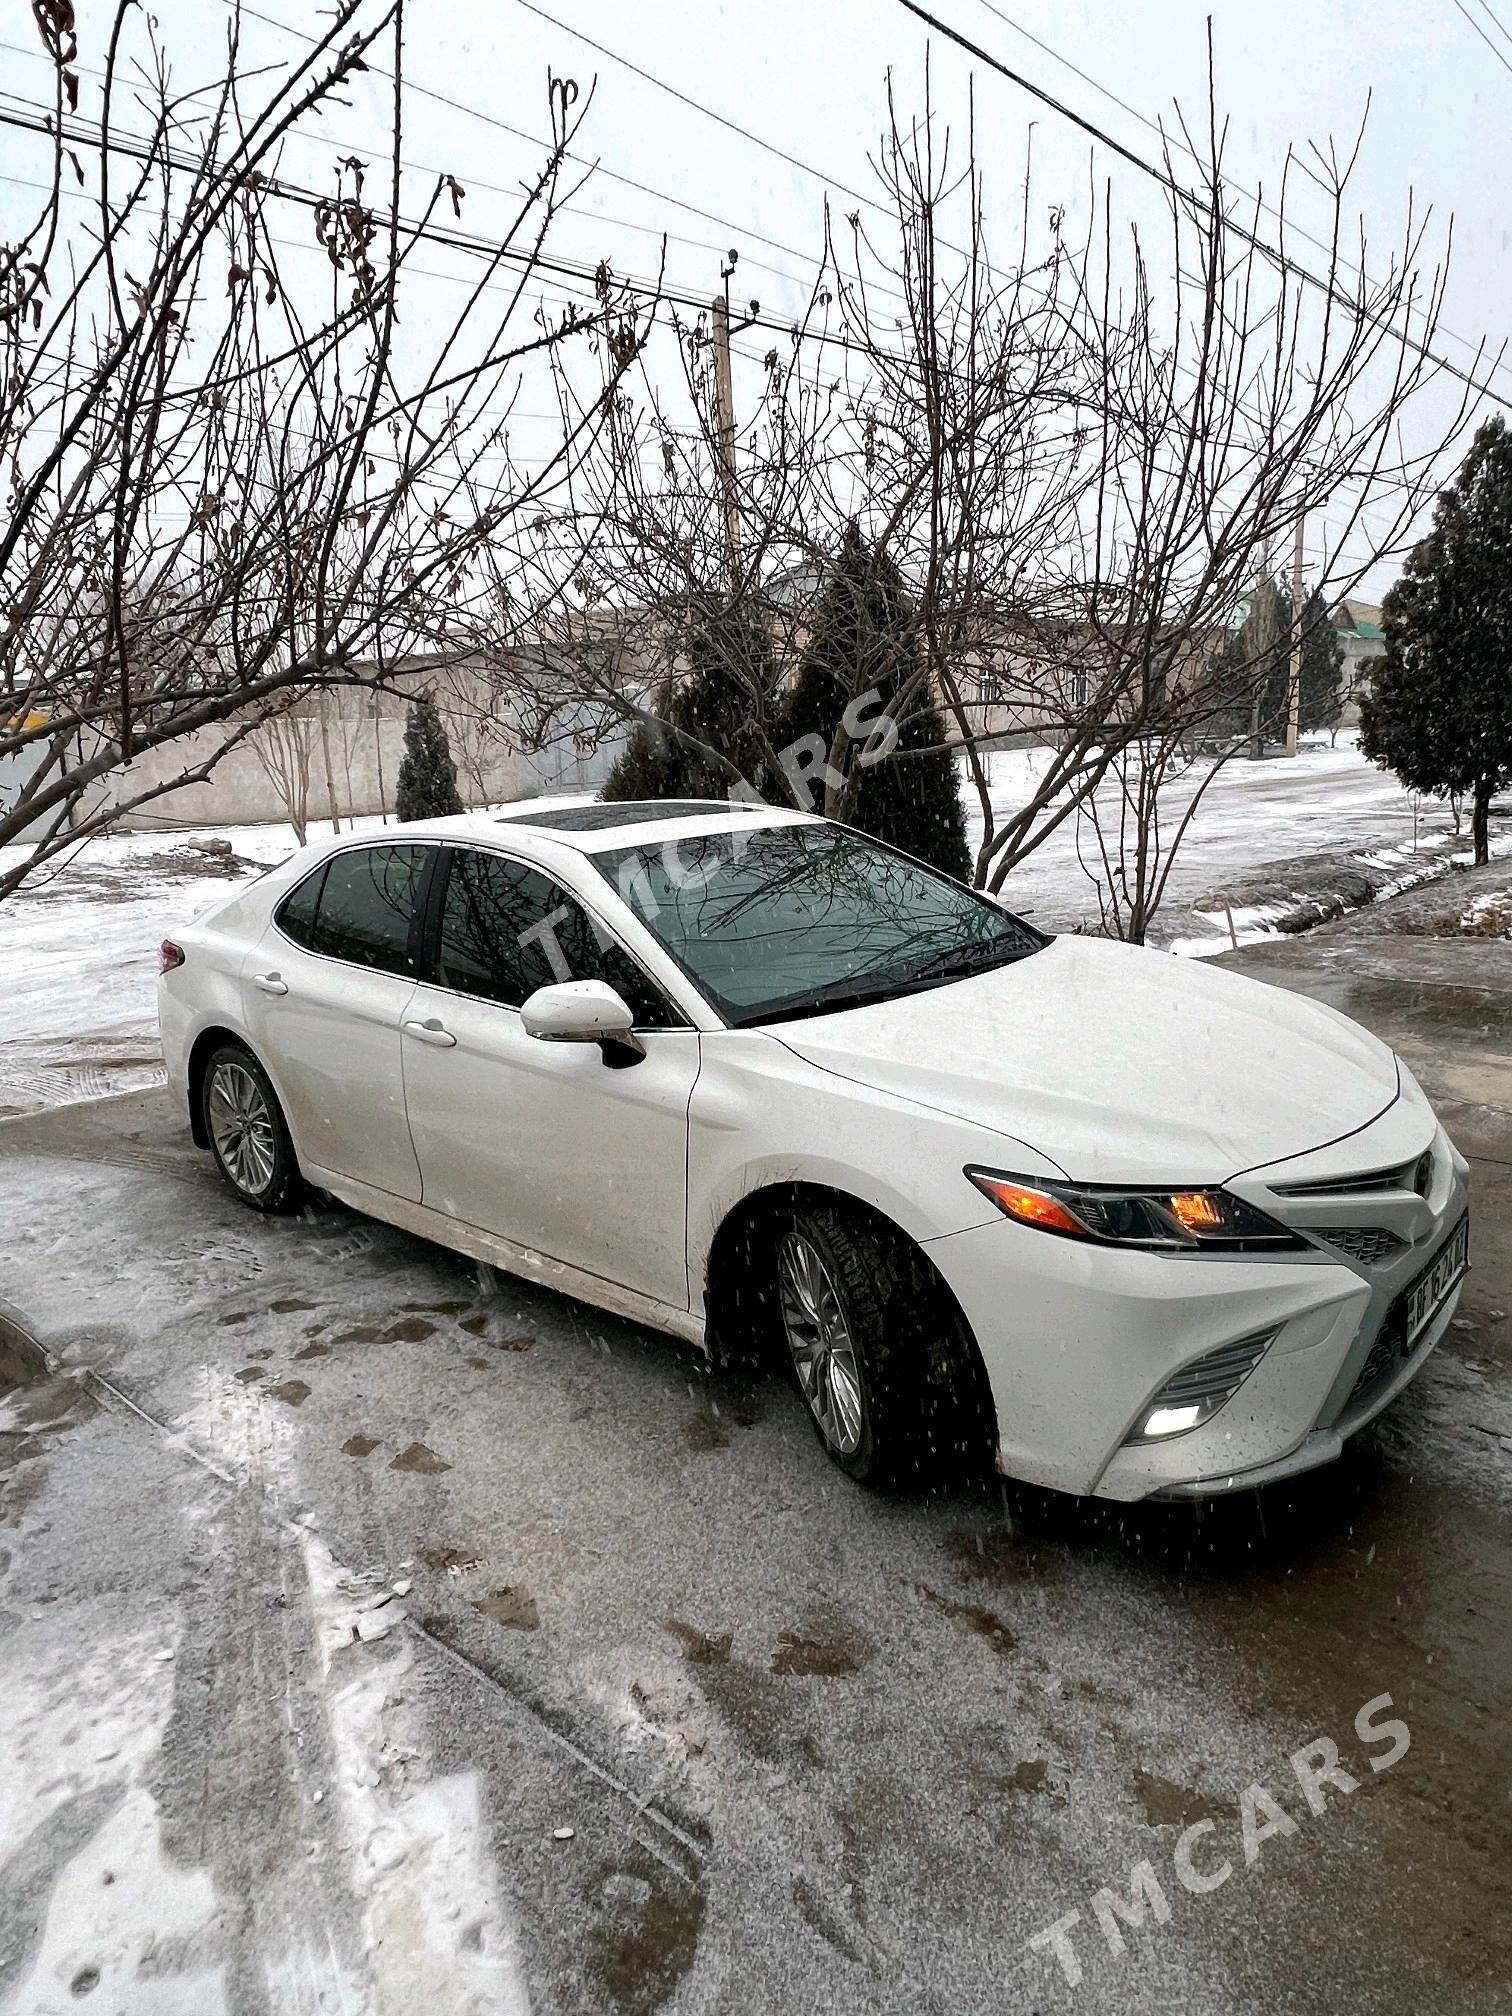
247, 1132
880, 1354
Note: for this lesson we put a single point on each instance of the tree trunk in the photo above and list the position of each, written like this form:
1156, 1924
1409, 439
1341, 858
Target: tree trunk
1480, 821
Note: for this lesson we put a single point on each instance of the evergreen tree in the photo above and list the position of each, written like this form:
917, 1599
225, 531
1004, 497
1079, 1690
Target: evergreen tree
1251, 661
1322, 666
427, 787
859, 644
1322, 660
730, 686
1439, 712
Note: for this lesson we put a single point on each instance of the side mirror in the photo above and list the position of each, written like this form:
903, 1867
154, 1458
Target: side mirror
582, 1011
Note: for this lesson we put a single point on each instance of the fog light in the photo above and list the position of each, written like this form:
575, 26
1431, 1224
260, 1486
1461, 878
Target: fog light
1195, 1393
1169, 1421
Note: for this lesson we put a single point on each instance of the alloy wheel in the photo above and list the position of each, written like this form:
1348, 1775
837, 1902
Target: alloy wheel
241, 1125
819, 1337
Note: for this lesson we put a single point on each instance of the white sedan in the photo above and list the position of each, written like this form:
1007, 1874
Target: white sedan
1138, 1225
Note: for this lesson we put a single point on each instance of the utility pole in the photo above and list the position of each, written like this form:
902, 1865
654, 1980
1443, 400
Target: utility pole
1257, 677
1294, 670
724, 427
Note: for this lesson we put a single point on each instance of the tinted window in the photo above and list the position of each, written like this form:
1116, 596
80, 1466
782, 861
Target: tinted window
296, 914
506, 930
365, 907
798, 920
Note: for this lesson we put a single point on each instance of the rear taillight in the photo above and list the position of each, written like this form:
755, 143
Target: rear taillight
169, 956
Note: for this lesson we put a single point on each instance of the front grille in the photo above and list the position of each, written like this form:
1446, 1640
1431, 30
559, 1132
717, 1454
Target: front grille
1405, 1176
1384, 1355
1369, 1244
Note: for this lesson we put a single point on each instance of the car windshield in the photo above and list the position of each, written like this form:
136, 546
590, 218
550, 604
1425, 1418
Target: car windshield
806, 919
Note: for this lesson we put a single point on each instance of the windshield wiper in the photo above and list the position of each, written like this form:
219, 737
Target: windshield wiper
834, 994
975, 957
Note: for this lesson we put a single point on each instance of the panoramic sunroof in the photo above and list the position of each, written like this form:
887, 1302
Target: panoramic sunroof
627, 812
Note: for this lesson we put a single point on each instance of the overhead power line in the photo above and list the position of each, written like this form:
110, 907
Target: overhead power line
1179, 141
1499, 54
39, 119
476, 182
1282, 261
1500, 25
705, 111
741, 231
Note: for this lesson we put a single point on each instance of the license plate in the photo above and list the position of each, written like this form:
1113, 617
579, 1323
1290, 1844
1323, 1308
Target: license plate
1426, 1295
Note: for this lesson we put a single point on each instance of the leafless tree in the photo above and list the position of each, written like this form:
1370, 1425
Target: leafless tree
298, 488
284, 746
1237, 393
1076, 446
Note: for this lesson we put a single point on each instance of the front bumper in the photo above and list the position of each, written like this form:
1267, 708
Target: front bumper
1077, 1340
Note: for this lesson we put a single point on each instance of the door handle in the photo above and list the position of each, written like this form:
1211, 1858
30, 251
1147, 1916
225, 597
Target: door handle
270, 983
431, 1032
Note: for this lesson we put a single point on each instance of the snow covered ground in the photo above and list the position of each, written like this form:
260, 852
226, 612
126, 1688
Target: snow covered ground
78, 945
1253, 815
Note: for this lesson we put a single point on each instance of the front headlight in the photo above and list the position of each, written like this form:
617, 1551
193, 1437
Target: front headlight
1176, 1221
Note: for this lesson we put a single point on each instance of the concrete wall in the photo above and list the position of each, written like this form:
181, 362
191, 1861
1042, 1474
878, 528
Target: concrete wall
16, 772
364, 733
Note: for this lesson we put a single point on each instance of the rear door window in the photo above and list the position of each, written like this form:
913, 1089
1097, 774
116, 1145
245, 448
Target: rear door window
296, 914
363, 909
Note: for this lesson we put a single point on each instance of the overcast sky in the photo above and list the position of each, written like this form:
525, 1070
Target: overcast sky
808, 78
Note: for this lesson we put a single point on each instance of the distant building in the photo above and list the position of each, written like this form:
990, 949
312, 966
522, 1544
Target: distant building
340, 749
1362, 640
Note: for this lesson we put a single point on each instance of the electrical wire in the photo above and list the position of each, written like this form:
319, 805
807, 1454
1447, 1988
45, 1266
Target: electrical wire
1282, 261
1179, 141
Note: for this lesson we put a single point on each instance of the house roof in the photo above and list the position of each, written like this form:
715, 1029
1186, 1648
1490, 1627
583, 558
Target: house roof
1362, 619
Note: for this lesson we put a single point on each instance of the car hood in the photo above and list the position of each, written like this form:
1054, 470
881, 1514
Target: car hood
1118, 1064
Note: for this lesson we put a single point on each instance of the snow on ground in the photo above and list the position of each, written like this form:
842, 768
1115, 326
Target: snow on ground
78, 945
422, 1873
91, 1731
1326, 800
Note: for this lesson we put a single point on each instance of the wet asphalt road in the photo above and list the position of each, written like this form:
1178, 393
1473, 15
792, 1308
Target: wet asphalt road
820, 1750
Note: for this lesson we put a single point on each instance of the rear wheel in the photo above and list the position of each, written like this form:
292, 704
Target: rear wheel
247, 1132
882, 1359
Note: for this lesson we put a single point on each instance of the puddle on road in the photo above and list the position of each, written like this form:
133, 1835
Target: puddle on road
818, 1653
986, 1624
1303, 1603
1000, 1554
407, 1330
419, 1461
515, 1608
1165, 1804
700, 1648
1032, 1779
644, 1932
454, 1561
705, 1432
19, 1363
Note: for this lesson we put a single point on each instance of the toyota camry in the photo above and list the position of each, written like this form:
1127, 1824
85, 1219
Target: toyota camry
1137, 1225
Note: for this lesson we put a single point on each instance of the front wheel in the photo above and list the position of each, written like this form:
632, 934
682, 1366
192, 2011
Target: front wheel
247, 1131
890, 1378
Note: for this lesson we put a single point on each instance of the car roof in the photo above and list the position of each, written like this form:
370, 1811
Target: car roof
589, 826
